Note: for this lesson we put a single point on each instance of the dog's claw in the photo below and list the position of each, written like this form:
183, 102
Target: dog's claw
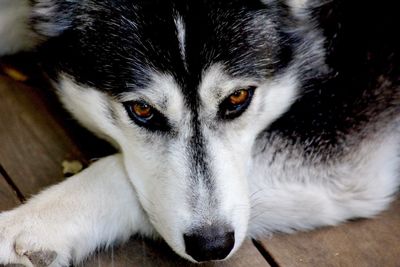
41, 258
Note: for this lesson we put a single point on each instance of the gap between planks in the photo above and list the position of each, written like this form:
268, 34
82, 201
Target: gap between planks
12, 185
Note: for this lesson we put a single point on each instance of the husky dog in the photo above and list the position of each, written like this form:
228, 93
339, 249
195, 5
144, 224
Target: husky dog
233, 118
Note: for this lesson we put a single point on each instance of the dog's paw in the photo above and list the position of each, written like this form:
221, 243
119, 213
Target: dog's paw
27, 241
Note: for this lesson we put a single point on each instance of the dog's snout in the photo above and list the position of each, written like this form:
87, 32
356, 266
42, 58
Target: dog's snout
209, 243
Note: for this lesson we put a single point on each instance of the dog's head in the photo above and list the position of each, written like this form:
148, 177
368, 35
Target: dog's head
183, 88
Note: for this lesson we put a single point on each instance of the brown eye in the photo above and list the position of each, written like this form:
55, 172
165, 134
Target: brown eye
235, 104
142, 110
146, 116
239, 97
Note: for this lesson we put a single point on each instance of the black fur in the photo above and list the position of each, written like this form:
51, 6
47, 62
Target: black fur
363, 86
100, 46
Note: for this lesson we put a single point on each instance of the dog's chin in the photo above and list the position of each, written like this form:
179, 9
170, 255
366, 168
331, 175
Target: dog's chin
189, 258
178, 249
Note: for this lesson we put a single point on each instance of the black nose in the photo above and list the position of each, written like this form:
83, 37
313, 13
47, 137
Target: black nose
209, 243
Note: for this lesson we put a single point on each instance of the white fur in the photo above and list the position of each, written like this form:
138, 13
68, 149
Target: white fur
15, 34
181, 34
298, 5
306, 196
96, 207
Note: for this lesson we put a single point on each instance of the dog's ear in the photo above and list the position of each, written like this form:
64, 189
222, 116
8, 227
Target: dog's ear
49, 18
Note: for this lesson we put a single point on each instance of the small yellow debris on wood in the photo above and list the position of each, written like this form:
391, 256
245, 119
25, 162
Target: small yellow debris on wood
71, 167
14, 74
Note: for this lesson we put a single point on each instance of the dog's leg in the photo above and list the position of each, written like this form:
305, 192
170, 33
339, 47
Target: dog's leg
15, 32
68, 221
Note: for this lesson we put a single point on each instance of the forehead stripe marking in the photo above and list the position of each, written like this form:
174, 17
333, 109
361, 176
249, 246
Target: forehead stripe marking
181, 34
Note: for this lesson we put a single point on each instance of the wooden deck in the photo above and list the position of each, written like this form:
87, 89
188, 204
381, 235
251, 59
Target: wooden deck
36, 136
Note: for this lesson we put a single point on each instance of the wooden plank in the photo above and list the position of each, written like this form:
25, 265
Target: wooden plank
8, 199
144, 253
369, 242
33, 145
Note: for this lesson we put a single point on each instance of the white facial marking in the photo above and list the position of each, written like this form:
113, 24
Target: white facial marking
163, 93
89, 106
298, 4
181, 32
272, 96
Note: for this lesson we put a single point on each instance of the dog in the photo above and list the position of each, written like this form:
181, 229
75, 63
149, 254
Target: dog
232, 119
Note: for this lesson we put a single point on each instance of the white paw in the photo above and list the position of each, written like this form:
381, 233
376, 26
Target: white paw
26, 240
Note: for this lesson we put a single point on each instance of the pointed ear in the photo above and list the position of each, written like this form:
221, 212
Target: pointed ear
50, 18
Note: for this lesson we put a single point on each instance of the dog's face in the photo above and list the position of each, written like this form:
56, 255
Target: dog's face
183, 89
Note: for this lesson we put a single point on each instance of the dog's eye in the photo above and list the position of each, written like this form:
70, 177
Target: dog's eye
238, 97
142, 110
235, 104
146, 116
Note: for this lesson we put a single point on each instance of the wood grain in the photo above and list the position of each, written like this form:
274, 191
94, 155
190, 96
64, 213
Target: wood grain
144, 253
8, 198
33, 145
361, 243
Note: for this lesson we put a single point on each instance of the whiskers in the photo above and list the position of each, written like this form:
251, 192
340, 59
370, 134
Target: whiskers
256, 203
